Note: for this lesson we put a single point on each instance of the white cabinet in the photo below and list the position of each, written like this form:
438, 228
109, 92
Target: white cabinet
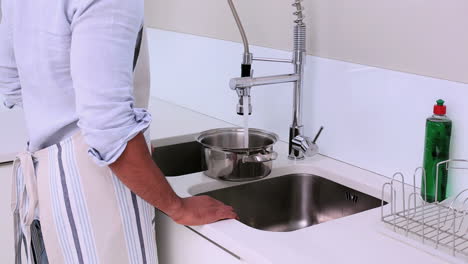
179, 244
7, 254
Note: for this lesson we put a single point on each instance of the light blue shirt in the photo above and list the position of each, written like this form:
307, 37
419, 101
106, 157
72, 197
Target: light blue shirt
69, 65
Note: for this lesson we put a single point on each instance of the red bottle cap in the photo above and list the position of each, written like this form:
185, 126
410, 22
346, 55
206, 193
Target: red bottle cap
440, 108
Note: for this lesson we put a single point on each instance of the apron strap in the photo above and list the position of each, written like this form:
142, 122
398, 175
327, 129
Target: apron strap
24, 202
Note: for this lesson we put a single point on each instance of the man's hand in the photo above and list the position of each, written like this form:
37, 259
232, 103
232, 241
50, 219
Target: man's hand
136, 169
200, 210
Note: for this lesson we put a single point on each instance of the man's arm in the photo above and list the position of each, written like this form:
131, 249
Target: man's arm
10, 87
104, 34
136, 169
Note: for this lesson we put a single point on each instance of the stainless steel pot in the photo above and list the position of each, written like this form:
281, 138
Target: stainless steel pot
227, 158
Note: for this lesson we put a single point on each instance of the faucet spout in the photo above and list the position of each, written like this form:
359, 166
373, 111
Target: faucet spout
247, 82
299, 145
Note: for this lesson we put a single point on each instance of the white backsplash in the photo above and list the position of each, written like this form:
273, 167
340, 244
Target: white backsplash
373, 118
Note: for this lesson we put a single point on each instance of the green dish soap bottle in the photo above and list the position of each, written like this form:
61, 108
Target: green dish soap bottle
436, 149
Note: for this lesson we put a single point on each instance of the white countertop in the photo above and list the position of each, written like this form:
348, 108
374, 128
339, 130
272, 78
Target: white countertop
359, 238
171, 120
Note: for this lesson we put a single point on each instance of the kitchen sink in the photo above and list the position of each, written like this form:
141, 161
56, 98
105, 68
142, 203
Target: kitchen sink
180, 158
292, 202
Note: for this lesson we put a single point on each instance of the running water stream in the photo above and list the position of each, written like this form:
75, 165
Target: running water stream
245, 101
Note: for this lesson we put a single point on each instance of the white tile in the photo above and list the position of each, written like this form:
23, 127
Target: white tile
375, 118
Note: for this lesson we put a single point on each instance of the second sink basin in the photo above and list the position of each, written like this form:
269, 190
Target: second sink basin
292, 202
180, 158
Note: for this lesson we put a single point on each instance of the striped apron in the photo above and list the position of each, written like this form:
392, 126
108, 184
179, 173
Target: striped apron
86, 213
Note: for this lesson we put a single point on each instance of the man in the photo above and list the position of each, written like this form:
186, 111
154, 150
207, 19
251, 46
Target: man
87, 175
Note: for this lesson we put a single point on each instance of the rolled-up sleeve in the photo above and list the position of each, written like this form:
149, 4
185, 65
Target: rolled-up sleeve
10, 87
104, 35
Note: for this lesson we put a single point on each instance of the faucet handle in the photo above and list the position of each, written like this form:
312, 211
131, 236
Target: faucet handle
305, 145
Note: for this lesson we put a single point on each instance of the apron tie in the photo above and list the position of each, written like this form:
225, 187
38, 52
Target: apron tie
24, 202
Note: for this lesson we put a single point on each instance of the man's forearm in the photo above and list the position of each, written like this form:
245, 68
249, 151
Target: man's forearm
137, 171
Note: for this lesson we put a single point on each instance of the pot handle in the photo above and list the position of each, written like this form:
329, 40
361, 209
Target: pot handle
260, 158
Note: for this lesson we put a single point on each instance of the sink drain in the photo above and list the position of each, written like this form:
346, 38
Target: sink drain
352, 197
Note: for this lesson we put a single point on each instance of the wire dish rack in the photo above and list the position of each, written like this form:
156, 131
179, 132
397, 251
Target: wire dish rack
443, 225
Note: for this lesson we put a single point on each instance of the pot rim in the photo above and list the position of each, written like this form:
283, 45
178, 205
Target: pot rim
274, 137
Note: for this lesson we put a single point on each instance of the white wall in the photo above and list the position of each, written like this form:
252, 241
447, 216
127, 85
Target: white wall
195, 72
374, 118
426, 37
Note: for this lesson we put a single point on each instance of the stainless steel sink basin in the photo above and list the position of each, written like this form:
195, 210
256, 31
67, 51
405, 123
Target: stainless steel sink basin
180, 158
292, 202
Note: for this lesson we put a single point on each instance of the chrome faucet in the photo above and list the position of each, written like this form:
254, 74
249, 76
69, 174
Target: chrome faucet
299, 145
